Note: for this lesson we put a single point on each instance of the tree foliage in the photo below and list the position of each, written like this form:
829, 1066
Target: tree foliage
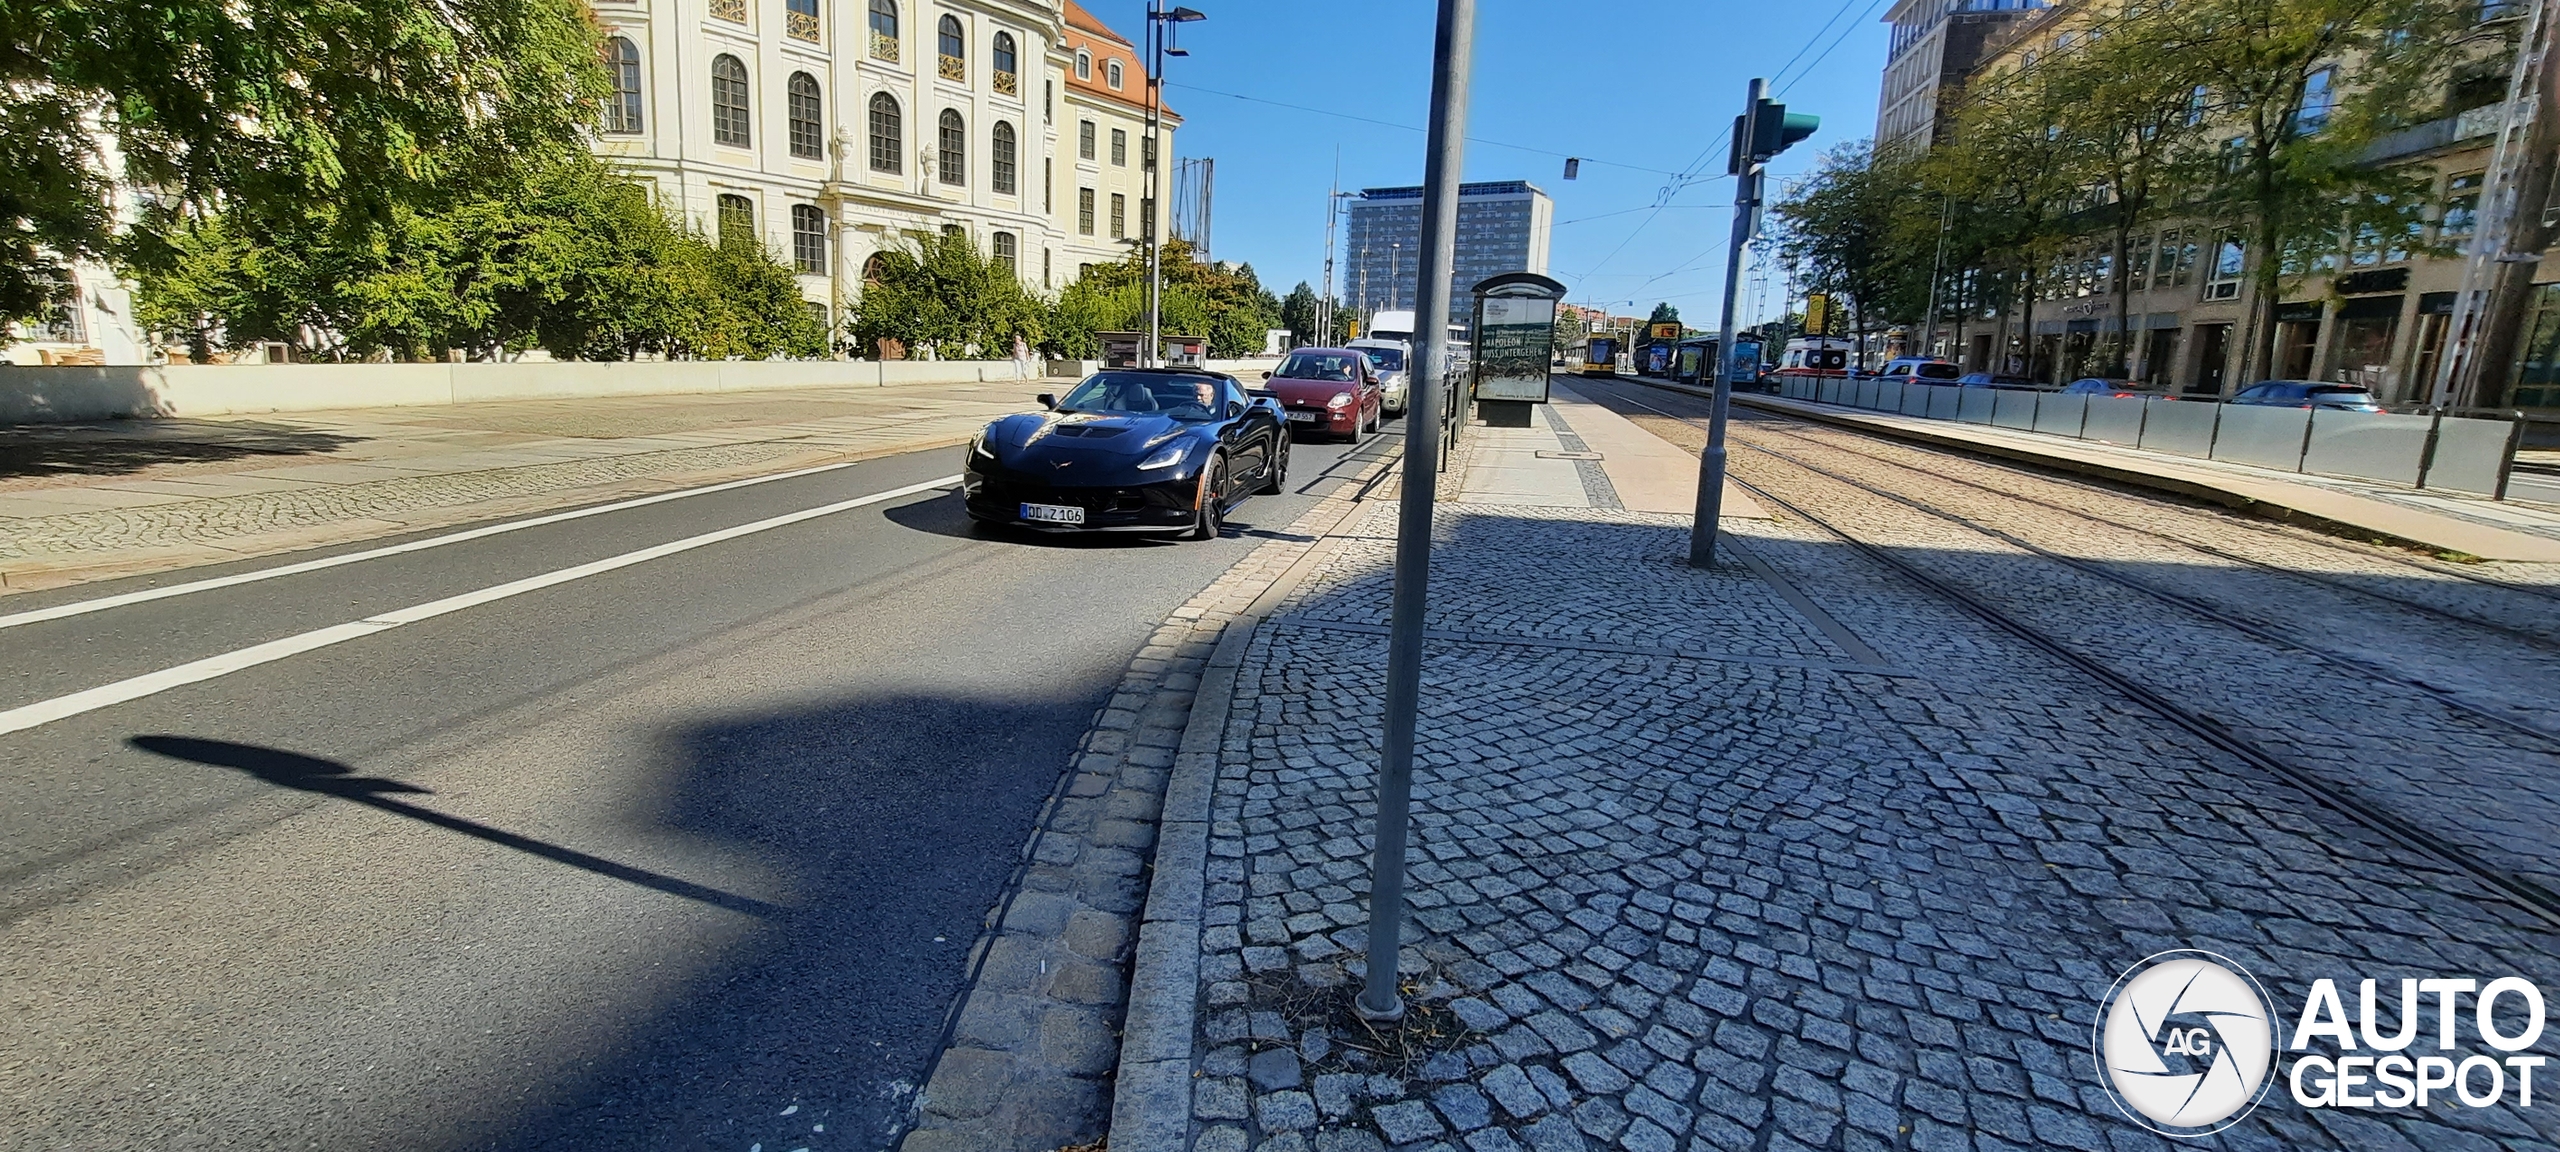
1232, 308
940, 292
272, 114
569, 259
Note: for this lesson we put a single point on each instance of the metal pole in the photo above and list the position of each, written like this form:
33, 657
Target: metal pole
1324, 300
1442, 170
1746, 205
1148, 357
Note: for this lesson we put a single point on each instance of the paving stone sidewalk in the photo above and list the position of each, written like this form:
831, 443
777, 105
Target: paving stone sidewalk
115, 498
1689, 873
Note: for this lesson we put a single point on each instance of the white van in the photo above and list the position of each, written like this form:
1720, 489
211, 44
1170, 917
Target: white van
1394, 359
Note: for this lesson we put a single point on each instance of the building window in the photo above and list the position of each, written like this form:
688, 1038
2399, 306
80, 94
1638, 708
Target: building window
800, 19
1007, 252
954, 148
737, 221
875, 268
1120, 147
1111, 73
1084, 64
1048, 260
622, 113
1119, 216
1048, 102
2319, 96
1000, 166
808, 133
884, 29
1048, 189
728, 101
954, 50
1084, 139
1004, 61
2230, 259
888, 134
2461, 210
1147, 218
809, 239
1084, 211
64, 321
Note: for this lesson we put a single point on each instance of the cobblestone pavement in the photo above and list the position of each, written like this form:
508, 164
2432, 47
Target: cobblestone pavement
1685, 875
89, 501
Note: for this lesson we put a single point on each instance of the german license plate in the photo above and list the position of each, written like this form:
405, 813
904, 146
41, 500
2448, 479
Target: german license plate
1053, 513
1303, 417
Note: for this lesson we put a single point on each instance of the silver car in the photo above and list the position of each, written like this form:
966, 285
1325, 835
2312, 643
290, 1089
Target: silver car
1393, 360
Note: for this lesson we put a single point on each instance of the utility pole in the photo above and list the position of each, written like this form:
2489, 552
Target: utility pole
1324, 300
2513, 228
1160, 26
1451, 52
1763, 130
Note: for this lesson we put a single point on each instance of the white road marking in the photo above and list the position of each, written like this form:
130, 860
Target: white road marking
134, 688
101, 604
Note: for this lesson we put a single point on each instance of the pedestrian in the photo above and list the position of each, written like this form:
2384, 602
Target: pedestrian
1021, 358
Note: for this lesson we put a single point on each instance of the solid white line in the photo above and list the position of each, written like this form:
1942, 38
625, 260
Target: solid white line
47, 711
101, 604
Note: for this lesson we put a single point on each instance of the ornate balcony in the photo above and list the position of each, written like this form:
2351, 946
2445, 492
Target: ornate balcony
884, 47
801, 26
734, 11
955, 68
1008, 84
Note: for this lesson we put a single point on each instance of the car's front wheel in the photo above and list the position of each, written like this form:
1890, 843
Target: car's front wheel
1210, 519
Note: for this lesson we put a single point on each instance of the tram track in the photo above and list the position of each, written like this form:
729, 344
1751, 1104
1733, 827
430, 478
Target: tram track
2532, 896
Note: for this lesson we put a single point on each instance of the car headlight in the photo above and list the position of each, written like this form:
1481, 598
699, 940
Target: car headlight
1340, 400
979, 449
1169, 456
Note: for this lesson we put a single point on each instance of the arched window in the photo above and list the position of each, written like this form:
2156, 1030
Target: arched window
737, 221
728, 101
1000, 160
875, 268
954, 48
1084, 65
1111, 72
808, 132
622, 113
888, 134
1007, 251
954, 147
1004, 53
809, 239
884, 29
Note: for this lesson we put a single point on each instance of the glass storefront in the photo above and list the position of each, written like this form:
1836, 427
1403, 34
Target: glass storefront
2538, 378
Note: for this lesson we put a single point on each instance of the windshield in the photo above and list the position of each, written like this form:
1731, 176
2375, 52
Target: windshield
1386, 359
1132, 393
1319, 366
1934, 371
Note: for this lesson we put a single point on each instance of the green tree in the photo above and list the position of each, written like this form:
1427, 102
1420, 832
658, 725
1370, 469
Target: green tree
1663, 313
1230, 308
1846, 228
940, 292
1298, 313
269, 112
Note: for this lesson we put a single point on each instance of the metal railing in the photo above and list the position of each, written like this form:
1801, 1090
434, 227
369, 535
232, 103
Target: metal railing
2424, 449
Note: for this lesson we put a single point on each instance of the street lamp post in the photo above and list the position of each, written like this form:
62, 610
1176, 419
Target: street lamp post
1161, 23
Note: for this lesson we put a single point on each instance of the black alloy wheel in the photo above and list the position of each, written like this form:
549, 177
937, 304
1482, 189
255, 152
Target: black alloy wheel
1276, 477
1211, 517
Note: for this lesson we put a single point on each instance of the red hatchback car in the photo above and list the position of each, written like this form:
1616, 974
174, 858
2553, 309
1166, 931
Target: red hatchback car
1329, 390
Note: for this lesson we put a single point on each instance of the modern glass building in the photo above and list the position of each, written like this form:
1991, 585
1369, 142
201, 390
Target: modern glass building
1503, 226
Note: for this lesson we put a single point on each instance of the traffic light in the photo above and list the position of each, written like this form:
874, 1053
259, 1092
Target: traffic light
1767, 131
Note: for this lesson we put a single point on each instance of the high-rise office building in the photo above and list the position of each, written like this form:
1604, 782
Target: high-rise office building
1503, 226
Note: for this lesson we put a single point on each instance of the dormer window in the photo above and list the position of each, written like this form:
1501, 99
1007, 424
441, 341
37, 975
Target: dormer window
1084, 65
1112, 70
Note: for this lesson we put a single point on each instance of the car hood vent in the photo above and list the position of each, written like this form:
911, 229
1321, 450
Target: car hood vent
1090, 431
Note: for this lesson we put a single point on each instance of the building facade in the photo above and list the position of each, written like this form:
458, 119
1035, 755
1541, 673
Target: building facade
1936, 44
1503, 226
2375, 311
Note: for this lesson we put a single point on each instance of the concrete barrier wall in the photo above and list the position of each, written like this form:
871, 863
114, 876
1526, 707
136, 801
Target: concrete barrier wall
53, 394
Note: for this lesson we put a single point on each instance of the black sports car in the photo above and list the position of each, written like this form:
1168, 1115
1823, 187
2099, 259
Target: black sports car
1130, 450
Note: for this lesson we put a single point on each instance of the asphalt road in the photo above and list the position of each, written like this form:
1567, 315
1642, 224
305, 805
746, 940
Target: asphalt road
684, 854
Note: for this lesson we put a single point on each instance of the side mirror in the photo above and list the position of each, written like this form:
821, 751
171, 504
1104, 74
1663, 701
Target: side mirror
1266, 375
1048, 400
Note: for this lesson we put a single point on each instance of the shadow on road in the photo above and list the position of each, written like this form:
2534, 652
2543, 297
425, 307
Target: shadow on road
113, 449
330, 778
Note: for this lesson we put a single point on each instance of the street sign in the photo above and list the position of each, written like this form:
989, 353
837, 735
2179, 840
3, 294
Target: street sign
1817, 314
1667, 330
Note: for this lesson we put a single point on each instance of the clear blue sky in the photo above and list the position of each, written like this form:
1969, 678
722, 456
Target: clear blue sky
1640, 88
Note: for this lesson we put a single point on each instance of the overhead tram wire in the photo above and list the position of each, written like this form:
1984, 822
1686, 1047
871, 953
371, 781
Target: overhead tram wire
1587, 159
1780, 86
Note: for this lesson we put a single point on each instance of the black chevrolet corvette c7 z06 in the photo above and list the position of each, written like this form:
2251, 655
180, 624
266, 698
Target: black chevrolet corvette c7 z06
1130, 450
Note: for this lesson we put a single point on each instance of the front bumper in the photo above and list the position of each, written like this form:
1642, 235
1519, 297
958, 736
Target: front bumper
1338, 421
1162, 506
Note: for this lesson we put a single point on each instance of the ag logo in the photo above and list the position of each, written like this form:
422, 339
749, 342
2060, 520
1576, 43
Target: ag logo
2184, 1044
